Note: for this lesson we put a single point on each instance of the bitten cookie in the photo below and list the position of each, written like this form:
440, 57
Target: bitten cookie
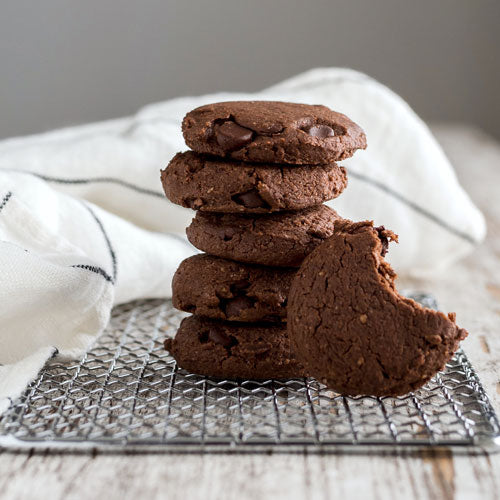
223, 289
233, 350
352, 330
210, 184
272, 132
281, 239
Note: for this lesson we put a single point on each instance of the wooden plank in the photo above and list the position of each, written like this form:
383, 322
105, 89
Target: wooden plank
219, 477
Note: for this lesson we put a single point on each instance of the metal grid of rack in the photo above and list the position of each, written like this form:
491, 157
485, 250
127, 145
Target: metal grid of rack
128, 393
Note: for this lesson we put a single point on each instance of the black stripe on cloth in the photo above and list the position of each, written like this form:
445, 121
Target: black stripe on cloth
96, 270
5, 199
111, 180
415, 207
108, 242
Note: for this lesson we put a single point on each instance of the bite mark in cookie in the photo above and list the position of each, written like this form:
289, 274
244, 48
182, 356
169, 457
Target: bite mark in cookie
352, 330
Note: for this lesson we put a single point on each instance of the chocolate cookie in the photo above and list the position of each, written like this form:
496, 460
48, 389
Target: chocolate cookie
281, 239
207, 183
224, 289
352, 330
272, 132
233, 350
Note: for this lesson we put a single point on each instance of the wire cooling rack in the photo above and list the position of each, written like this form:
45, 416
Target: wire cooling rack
127, 393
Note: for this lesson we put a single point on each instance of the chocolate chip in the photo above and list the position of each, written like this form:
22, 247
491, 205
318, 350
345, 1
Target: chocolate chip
226, 234
234, 307
274, 128
250, 199
203, 336
218, 337
239, 285
231, 136
383, 239
321, 131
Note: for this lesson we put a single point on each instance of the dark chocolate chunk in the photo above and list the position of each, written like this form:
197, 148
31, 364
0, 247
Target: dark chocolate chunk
238, 285
321, 131
235, 307
231, 136
250, 199
218, 336
226, 233
385, 236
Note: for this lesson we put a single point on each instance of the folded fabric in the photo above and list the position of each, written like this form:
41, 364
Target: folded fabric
64, 262
82, 212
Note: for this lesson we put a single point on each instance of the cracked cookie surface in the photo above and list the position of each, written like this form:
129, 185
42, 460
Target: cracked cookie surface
352, 330
234, 350
272, 132
227, 290
280, 239
211, 184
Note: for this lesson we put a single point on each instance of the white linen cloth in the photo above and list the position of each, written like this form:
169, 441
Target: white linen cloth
83, 220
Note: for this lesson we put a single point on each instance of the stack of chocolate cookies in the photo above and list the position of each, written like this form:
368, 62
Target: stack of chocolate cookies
257, 176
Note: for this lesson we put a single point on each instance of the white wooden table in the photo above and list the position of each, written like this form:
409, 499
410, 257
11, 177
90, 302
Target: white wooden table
471, 288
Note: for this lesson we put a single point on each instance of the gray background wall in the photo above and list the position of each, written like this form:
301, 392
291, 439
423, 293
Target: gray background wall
72, 61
